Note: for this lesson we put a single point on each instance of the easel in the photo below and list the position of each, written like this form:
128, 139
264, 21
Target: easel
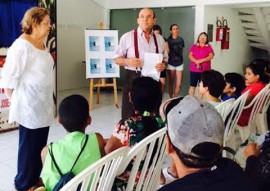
101, 83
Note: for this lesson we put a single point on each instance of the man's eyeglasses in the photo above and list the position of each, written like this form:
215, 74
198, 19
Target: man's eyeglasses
146, 17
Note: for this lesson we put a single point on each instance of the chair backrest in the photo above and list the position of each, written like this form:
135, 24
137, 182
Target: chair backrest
225, 107
147, 157
258, 103
234, 114
267, 99
100, 175
231, 138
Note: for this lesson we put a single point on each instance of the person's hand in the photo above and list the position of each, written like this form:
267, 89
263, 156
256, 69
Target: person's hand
134, 62
160, 67
252, 149
198, 64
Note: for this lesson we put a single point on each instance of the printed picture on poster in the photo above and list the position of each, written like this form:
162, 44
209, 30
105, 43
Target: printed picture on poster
94, 43
109, 43
110, 66
95, 66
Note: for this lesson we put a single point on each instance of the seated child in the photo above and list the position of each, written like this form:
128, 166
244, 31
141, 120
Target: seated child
74, 116
211, 86
146, 96
235, 84
254, 79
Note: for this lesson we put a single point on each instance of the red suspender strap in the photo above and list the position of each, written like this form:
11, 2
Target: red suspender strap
136, 43
155, 39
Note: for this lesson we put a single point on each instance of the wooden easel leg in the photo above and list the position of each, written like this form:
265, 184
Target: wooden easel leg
91, 94
115, 93
98, 90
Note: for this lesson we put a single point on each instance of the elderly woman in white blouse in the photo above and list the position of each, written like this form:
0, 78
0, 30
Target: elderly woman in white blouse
27, 77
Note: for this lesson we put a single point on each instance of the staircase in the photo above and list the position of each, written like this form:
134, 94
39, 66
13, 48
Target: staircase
256, 24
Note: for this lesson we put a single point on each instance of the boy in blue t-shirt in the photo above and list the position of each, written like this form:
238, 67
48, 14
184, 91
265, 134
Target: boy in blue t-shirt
235, 84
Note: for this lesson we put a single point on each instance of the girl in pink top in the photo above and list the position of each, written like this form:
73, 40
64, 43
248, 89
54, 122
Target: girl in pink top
254, 79
200, 55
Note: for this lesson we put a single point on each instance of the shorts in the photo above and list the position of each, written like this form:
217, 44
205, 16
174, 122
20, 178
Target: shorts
163, 74
195, 77
179, 68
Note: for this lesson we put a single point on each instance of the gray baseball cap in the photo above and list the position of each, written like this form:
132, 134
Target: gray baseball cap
191, 122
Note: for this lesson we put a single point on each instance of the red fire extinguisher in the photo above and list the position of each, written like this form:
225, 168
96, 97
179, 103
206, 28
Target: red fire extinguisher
226, 36
219, 31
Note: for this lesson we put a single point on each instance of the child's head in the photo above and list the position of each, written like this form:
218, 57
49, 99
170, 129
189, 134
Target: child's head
213, 82
157, 29
235, 83
255, 73
146, 94
266, 64
74, 113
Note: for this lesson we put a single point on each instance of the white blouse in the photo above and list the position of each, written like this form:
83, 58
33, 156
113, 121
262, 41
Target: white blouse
29, 72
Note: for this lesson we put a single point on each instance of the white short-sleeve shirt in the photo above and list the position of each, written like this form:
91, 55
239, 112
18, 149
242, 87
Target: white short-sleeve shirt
29, 72
126, 46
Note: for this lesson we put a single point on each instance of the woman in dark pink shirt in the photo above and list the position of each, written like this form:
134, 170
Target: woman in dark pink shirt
200, 56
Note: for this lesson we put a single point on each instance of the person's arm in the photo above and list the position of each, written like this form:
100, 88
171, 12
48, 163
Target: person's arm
122, 61
249, 98
252, 149
167, 47
112, 144
191, 57
101, 144
208, 58
44, 153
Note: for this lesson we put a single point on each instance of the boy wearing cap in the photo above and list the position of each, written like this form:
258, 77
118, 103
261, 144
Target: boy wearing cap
194, 142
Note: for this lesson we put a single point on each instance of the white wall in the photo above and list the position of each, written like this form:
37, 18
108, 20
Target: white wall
124, 4
72, 18
239, 54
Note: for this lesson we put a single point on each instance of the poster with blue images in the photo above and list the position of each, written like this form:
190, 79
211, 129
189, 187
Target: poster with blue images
100, 47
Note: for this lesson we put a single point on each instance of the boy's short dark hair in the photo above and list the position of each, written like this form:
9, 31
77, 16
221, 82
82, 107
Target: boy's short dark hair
210, 151
235, 80
215, 82
146, 94
73, 113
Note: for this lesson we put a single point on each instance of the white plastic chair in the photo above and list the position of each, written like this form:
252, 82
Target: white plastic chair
231, 136
256, 106
150, 151
225, 107
100, 175
261, 118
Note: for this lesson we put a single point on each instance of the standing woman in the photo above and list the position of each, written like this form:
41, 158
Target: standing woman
200, 55
175, 66
27, 77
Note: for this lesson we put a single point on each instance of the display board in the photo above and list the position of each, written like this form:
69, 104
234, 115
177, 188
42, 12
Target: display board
100, 46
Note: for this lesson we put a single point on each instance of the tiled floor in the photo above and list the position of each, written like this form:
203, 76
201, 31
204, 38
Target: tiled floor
104, 117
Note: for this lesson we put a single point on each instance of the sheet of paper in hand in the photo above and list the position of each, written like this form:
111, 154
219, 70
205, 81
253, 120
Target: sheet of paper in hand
150, 62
